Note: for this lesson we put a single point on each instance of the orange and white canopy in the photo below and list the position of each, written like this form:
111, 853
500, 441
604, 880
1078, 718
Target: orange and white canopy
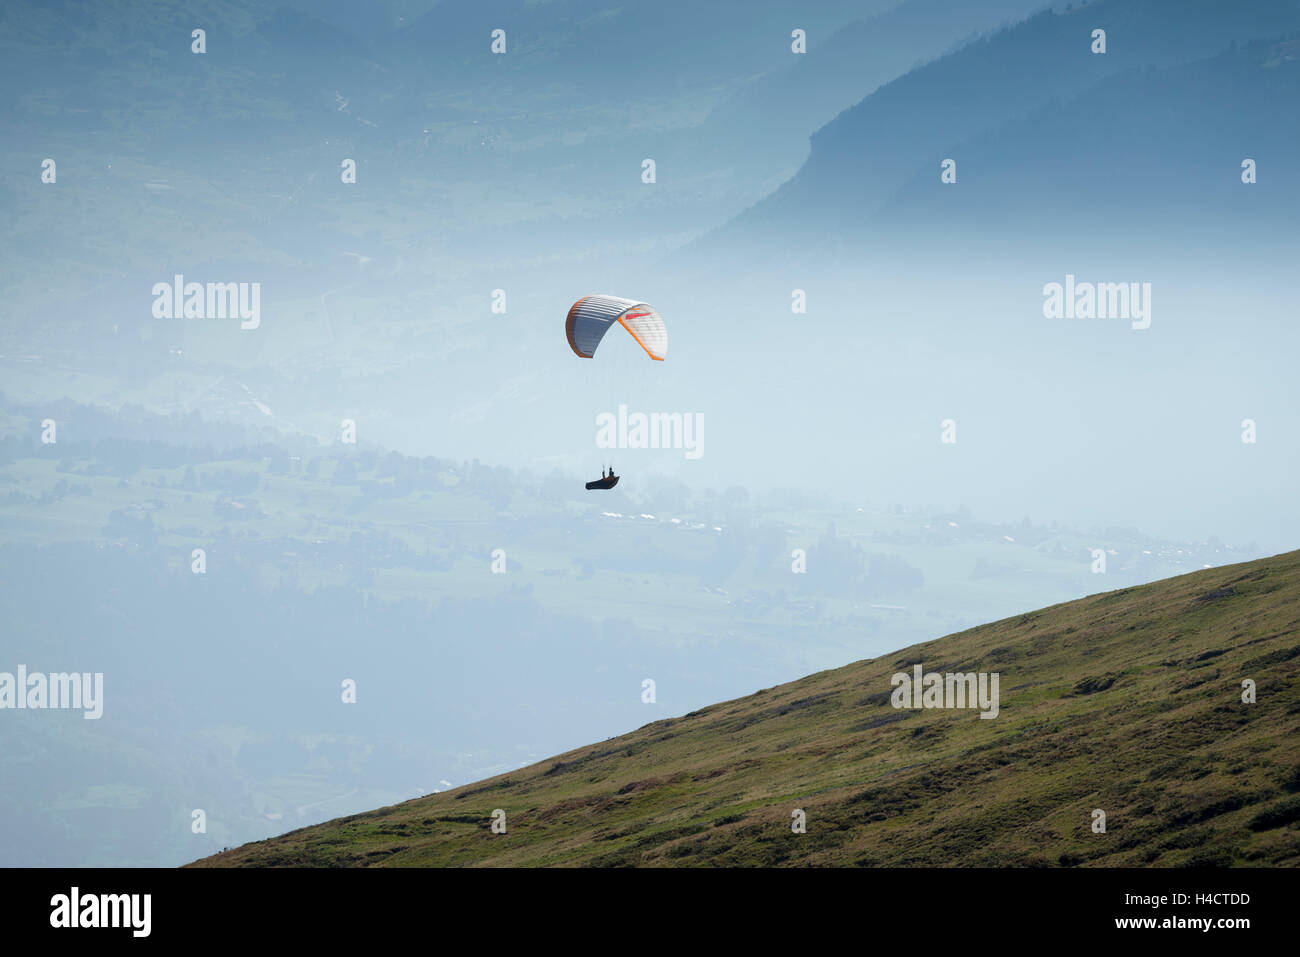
592, 316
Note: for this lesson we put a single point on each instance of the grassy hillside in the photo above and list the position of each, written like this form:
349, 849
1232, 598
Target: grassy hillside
1127, 701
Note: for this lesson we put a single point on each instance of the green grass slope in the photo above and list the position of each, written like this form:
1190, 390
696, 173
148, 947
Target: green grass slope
1128, 701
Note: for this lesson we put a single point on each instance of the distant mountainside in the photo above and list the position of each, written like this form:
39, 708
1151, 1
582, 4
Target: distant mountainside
605, 48
1127, 703
1134, 153
841, 69
1182, 94
123, 76
276, 66
170, 161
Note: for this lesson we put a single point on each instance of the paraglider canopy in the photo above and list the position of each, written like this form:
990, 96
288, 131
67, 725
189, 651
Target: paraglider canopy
592, 316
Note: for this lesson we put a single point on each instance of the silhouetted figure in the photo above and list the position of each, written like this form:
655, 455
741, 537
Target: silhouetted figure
607, 480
